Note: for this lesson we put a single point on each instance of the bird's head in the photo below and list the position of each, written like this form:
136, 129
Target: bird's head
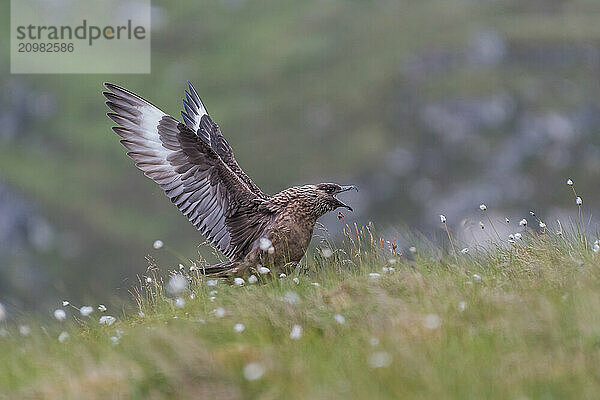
326, 195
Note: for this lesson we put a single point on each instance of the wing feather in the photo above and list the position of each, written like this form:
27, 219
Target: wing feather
197, 119
220, 203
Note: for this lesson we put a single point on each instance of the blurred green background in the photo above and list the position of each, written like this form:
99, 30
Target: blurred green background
428, 106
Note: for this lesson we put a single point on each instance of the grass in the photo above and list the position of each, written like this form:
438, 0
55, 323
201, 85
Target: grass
511, 321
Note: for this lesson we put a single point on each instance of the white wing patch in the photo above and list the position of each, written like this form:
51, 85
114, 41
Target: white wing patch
194, 110
149, 118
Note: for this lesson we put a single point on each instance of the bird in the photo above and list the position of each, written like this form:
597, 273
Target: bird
196, 168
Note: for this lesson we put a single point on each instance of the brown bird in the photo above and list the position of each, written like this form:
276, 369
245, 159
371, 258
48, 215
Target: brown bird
195, 166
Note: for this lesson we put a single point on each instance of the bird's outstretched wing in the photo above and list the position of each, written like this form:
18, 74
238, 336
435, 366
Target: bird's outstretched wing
191, 173
197, 119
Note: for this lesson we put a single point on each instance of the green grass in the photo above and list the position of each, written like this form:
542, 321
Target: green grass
529, 329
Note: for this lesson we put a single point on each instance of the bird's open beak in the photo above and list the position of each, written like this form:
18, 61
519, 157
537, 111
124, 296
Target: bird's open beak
345, 189
348, 187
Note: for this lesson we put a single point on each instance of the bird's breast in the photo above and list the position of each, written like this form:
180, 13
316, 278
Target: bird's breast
293, 237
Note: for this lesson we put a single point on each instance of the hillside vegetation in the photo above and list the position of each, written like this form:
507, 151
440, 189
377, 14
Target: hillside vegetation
516, 320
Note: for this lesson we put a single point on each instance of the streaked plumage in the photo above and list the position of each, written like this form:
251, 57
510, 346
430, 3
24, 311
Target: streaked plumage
195, 166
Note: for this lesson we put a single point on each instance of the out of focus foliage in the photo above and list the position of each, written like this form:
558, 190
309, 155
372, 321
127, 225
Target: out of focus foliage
428, 106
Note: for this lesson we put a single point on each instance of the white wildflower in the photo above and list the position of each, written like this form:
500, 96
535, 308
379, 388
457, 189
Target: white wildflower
412, 249
219, 312
481, 225
65, 303
253, 371
263, 270
476, 278
264, 244
86, 310
523, 222
24, 330
239, 328
238, 281
142, 314
596, 248
282, 275
340, 319
148, 279
158, 244
507, 220
578, 201
212, 298
442, 218
326, 252
60, 314
291, 297
542, 225
63, 337
177, 284
101, 308
107, 320
316, 284
252, 279
569, 182
482, 207
518, 235
465, 250
380, 359
374, 275
296, 332
432, 321
180, 302
462, 306
296, 280
192, 296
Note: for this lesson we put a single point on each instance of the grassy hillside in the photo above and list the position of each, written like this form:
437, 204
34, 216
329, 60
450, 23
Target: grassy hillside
518, 321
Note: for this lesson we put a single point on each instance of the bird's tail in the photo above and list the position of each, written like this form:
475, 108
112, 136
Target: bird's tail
221, 269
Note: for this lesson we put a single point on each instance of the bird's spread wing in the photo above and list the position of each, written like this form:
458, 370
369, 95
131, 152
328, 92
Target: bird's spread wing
197, 119
191, 173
